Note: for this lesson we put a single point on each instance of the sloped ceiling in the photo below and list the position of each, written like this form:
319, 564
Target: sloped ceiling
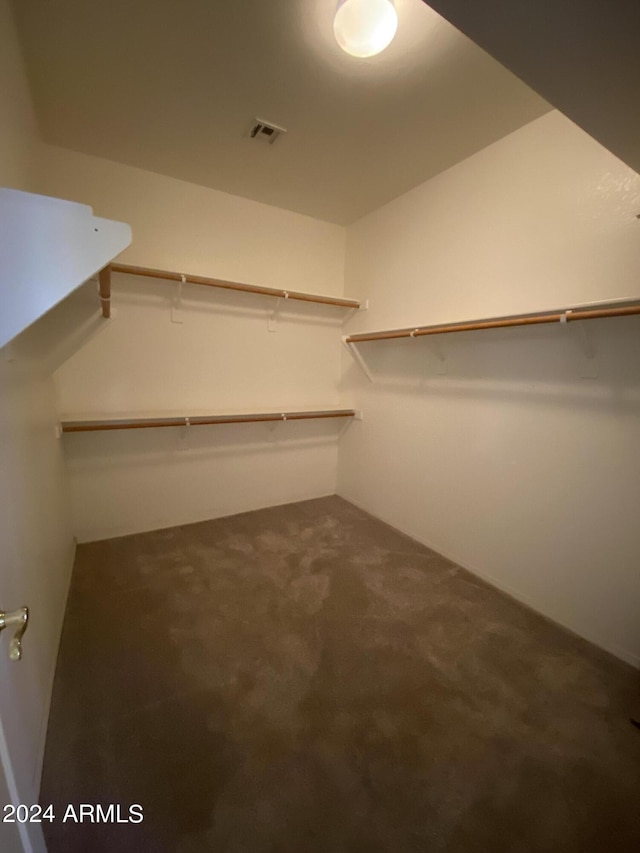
583, 56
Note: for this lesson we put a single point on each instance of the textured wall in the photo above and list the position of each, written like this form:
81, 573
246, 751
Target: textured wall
512, 462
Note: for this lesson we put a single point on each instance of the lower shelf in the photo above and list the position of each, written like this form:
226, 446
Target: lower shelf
201, 420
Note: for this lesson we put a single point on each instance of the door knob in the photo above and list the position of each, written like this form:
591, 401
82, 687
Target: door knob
18, 619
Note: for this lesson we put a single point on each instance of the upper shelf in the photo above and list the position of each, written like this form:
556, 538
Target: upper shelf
592, 311
105, 286
49, 247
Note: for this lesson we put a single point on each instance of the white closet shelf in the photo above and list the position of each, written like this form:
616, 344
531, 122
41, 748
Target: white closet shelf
187, 278
48, 248
591, 311
202, 420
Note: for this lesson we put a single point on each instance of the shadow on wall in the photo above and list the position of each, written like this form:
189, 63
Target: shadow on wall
69, 326
128, 481
62, 332
594, 364
151, 292
141, 447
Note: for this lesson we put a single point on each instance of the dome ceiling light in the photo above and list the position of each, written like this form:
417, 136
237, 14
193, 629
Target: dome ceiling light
365, 27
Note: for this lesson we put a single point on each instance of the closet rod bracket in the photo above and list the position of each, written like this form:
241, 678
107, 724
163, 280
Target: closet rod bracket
357, 357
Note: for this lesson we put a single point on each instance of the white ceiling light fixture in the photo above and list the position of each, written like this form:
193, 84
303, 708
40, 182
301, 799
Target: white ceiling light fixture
365, 27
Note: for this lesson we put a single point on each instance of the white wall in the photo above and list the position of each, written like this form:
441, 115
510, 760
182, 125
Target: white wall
35, 535
512, 463
37, 549
221, 356
19, 137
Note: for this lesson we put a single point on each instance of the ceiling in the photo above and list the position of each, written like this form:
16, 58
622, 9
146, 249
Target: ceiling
583, 56
172, 86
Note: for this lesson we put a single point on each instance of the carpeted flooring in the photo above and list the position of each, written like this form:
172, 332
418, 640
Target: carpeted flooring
304, 679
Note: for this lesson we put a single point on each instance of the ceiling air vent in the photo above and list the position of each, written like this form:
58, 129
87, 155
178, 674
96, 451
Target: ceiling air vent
265, 131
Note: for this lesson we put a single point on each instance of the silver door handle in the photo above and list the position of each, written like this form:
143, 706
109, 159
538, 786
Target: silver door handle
19, 619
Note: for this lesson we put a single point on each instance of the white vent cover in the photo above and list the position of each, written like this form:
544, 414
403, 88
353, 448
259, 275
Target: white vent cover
265, 131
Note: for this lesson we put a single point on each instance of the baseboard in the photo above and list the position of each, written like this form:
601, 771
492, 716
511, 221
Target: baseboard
611, 648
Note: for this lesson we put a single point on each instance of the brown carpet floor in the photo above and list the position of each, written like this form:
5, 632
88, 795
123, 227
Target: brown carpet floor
304, 679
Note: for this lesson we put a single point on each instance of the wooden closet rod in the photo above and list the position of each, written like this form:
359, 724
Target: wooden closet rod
226, 285
201, 420
565, 316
